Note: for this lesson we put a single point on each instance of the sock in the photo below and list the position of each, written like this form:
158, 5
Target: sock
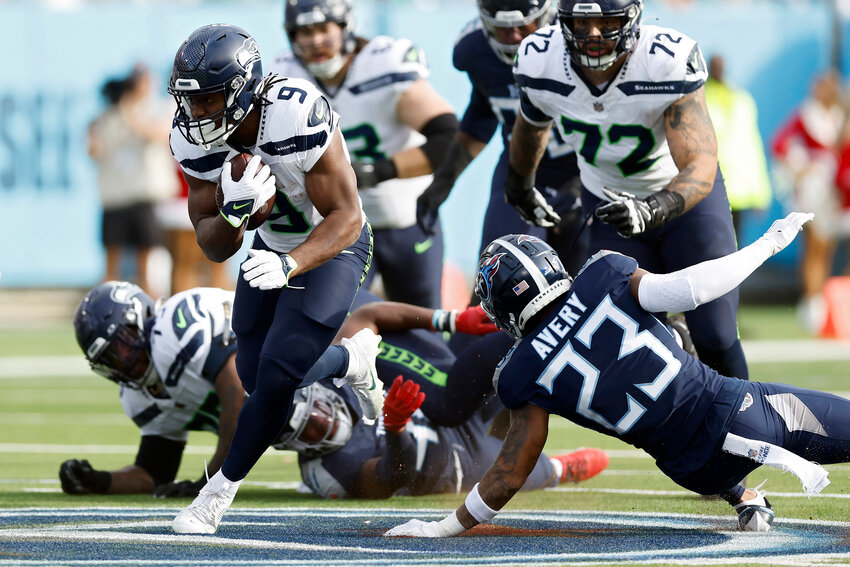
332, 364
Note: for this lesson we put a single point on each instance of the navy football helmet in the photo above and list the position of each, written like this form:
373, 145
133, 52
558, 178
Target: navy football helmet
512, 14
110, 327
518, 276
320, 422
218, 58
625, 15
303, 13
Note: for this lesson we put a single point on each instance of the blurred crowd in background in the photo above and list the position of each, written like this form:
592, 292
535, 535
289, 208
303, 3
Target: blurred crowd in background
796, 158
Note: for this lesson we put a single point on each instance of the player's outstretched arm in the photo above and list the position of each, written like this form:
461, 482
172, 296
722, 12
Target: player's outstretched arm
688, 288
520, 451
390, 316
79, 477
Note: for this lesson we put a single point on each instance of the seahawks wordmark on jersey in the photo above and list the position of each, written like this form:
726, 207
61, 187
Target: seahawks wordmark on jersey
618, 131
190, 342
295, 131
379, 74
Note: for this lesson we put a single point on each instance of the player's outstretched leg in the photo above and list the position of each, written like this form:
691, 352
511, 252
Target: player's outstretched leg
579, 465
755, 514
363, 349
203, 515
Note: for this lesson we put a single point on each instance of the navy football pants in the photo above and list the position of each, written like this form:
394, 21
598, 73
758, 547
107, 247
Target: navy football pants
280, 334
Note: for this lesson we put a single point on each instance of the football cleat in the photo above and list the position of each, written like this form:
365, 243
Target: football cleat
756, 514
363, 348
204, 514
582, 464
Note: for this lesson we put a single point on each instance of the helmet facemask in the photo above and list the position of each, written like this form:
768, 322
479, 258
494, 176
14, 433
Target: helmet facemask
320, 423
122, 355
620, 29
542, 16
233, 71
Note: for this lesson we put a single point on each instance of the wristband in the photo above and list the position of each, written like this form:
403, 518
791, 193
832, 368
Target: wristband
444, 321
385, 169
99, 481
477, 508
450, 526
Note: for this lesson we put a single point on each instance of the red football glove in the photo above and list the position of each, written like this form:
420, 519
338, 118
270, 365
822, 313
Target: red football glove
473, 321
402, 400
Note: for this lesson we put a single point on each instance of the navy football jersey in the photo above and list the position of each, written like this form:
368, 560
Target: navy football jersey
448, 459
603, 362
495, 100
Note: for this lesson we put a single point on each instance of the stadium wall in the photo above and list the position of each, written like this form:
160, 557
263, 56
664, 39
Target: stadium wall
57, 59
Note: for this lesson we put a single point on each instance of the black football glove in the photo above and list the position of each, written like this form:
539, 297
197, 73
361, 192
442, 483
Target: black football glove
370, 174
182, 489
78, 477
532, 206
631, 216
428, 203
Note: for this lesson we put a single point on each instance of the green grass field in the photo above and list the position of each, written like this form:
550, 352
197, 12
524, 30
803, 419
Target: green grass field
47, 418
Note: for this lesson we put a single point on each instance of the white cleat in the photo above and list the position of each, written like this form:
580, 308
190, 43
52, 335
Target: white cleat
204, 514
362, 376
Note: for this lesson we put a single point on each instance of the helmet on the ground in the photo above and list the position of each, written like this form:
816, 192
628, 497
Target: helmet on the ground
320, 422
518, 276
110, 327
218, 58
303, 13
626, 20
512, 14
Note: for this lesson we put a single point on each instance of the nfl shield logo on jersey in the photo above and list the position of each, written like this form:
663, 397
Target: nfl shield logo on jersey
597, 106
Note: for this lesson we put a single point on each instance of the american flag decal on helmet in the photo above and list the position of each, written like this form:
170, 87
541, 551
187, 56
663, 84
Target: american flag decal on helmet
520, 287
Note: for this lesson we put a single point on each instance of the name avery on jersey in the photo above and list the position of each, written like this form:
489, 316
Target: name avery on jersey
558, 328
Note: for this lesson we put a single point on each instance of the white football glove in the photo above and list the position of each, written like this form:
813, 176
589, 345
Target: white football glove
243, 198
267, 270
447, 527
783, 231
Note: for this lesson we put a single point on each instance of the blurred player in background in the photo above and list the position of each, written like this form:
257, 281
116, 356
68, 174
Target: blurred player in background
397, 129
629, 98
591, 351
485, 51
175, 364
309, 256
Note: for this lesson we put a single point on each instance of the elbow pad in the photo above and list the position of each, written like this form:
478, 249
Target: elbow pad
439, 133
667, 292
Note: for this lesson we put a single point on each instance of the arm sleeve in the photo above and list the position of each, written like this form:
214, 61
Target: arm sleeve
689, 288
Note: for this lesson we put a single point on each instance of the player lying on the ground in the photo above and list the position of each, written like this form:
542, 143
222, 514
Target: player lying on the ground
446, 447
590, 350
176, 368
342, 457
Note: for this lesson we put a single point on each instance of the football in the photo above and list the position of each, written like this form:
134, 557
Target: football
238, 163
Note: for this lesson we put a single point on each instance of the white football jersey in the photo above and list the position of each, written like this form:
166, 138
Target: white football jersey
367, 99
295, 131
191, 340
617, 132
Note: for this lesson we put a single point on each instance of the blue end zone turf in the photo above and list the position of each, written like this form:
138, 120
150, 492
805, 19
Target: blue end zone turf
320, 536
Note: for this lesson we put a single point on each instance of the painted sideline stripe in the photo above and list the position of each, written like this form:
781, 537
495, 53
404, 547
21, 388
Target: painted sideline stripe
787, 350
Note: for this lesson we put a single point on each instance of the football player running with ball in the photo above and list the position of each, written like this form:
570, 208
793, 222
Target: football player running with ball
629, 98
591, 350
307, 259
396, 127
